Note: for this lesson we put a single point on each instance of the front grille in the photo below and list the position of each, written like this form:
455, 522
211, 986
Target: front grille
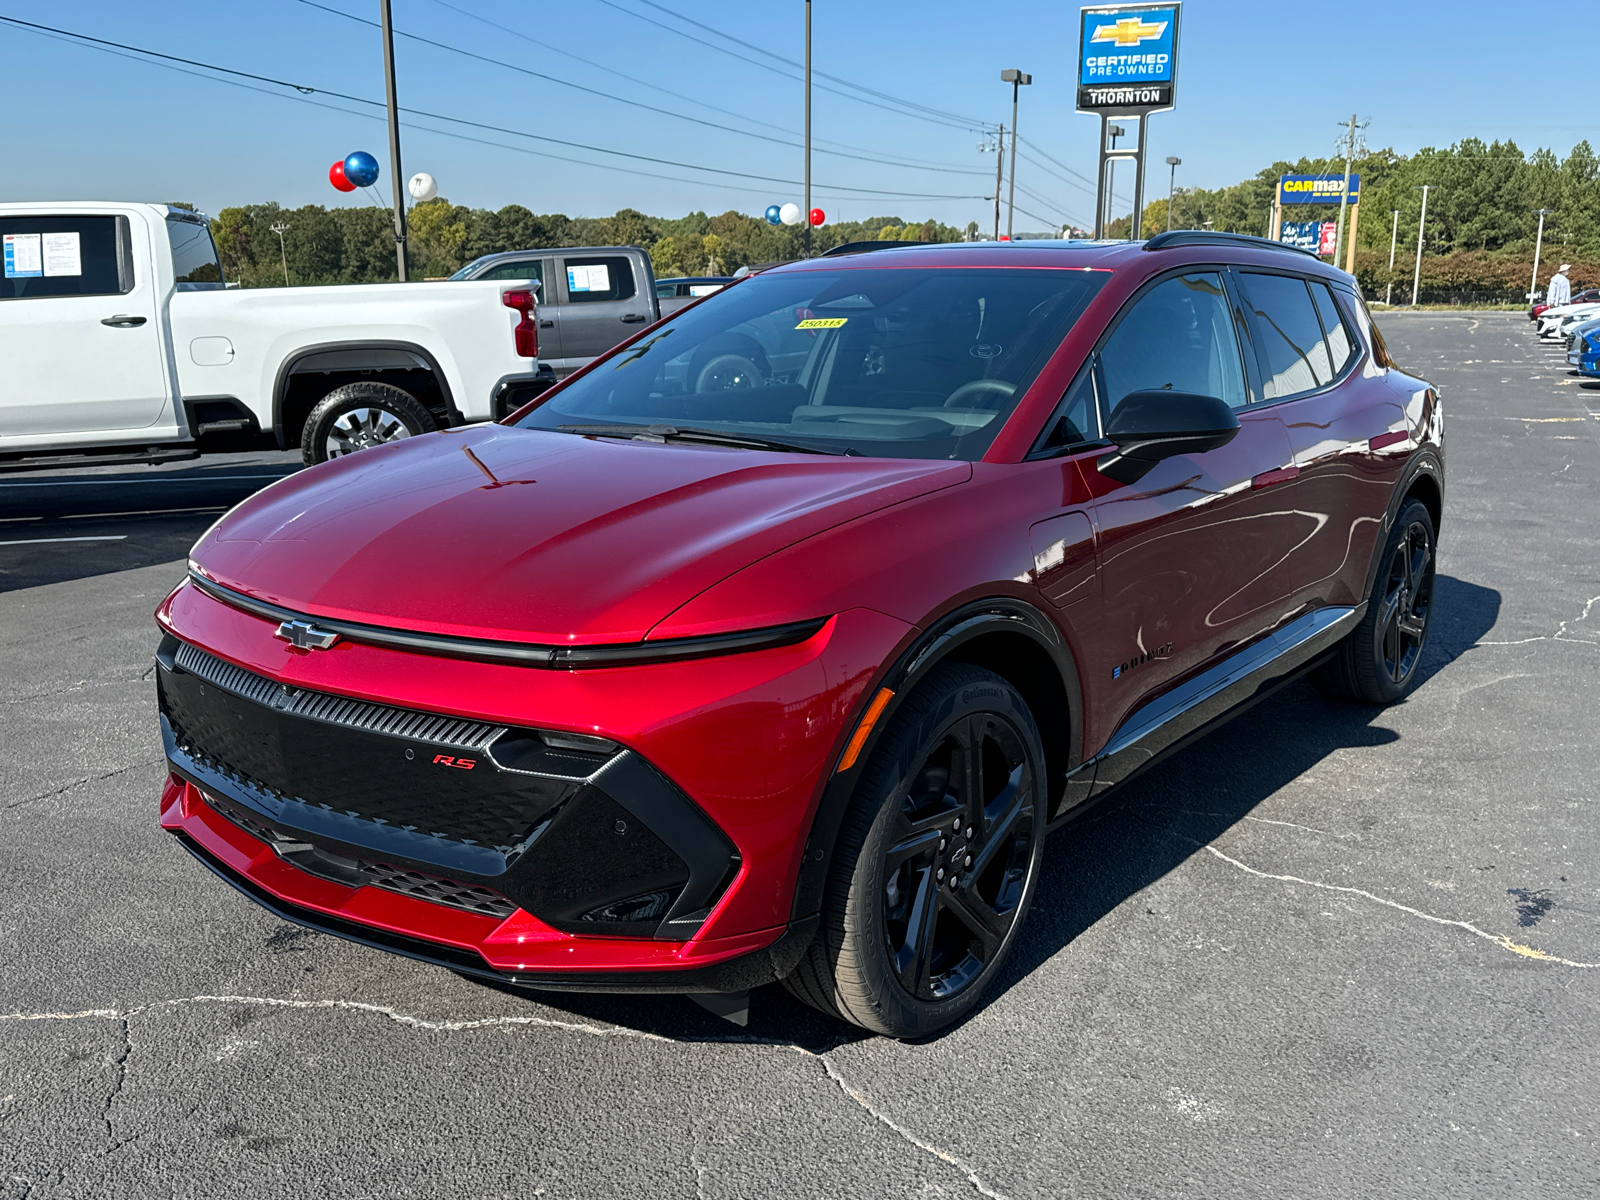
363, 872
337, 710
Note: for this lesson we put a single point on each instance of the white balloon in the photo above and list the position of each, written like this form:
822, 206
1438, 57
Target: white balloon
789, 214
423, 187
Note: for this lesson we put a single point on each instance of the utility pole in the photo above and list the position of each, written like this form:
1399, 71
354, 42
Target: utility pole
1422, 221
999, 175
1394, 234
1344, 199
1016, 79
280, 229
807, 215
1172, 187
1538, 245
396, 175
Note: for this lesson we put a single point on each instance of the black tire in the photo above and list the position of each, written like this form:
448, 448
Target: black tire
900, 854
359, 416
1377, 663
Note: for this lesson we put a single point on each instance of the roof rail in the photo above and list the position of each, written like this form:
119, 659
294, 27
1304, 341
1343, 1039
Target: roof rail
867, 247
1206, 237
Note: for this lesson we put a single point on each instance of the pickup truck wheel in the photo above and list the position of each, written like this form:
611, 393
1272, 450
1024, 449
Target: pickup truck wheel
359, 416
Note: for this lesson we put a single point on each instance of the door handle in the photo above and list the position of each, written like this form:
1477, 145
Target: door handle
123, 322
632, 317
547, 324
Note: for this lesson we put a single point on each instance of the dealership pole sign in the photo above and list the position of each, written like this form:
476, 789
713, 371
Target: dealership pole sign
1127, 67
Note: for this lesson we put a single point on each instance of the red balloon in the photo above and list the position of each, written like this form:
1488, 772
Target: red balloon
336, 177
818, 216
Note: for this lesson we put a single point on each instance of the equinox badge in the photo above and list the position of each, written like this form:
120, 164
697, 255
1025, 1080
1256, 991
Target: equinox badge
306, 635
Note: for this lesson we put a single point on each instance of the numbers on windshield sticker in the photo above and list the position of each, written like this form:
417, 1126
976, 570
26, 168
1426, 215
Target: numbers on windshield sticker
822, 323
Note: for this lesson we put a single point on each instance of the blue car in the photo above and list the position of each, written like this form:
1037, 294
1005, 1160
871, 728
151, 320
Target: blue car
1583, 348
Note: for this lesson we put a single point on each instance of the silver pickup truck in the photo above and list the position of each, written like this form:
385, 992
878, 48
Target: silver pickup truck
590, 297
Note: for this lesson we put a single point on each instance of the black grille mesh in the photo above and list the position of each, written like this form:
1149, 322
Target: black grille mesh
337, 710
432, 888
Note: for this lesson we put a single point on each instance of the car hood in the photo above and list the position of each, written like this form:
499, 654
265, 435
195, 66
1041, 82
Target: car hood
496, 532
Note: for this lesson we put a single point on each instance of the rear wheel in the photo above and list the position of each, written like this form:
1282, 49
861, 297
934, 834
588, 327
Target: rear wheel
1377, 663
359, 416
936, 862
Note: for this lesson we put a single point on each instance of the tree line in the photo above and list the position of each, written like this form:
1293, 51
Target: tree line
1483, 202
356, 245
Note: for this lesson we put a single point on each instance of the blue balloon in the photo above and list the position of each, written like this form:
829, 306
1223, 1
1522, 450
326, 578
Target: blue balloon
361, 169
774, 213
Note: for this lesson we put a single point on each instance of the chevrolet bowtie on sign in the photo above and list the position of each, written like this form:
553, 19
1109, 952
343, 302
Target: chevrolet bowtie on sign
1127, 57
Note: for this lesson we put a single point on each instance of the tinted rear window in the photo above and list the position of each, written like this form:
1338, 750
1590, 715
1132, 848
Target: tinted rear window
194, 258
65, 256
1289, 337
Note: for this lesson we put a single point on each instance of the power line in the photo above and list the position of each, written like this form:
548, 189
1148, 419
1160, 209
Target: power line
957, 124
305, 90
1054, 174
667, 112
790, 62
1058, 162
878, 156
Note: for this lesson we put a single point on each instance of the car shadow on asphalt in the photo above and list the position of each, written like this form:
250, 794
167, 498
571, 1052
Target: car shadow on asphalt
1148, 828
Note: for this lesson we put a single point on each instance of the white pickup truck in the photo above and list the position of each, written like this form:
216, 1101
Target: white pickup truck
121, 342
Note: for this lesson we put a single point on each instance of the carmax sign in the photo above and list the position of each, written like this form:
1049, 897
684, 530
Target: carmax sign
1316, 189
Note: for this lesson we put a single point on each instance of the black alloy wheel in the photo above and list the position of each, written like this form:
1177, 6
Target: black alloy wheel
1377, 663
937, 861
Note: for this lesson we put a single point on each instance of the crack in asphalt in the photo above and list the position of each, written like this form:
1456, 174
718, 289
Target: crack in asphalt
120, 1067
1499, 939
1560, 635
123, 1016
77, 783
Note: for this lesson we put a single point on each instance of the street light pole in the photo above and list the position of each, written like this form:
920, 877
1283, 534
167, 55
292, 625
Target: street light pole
1016, 79
394, 140
1538, 245
1394, 234
280, 229
1422, 221
806, 216
1115, 131
1172, 187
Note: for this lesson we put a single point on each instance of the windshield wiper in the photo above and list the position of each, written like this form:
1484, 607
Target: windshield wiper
720, 437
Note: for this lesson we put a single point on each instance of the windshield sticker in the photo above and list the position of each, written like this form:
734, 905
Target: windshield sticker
822, 323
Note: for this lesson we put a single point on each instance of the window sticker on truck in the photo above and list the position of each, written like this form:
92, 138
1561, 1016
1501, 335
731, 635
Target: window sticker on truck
23, 260
822, 323
63, 254
596, 278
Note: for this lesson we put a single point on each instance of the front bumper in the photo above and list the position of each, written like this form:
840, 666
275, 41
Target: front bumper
297, 784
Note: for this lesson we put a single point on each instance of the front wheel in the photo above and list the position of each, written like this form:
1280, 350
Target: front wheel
936, 862
359, 416
1377, 662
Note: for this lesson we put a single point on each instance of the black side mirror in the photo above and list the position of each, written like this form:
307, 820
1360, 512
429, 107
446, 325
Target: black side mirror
1150, 426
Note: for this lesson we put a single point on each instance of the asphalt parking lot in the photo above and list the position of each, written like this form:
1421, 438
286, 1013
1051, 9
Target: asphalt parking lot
1333, 951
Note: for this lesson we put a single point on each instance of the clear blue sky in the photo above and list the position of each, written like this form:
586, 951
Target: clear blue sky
1256, 84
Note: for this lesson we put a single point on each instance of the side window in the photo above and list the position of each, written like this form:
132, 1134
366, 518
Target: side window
194, 258
1288, 335
1077, 418
1179, 336
594, 279
1380, 351
65, 256
524, 268
1340, 349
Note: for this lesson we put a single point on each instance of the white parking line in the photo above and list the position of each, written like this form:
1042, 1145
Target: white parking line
120, 537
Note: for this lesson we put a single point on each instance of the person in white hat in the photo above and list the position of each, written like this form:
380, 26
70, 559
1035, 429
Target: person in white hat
1560, 287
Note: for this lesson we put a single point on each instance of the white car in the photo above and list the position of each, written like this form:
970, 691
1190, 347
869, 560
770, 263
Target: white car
121, 342
1552, 319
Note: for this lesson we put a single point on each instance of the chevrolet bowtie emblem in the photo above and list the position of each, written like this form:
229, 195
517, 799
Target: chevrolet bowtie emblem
306, 635
1129, 31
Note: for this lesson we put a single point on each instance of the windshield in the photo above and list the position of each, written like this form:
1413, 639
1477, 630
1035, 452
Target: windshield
903, 363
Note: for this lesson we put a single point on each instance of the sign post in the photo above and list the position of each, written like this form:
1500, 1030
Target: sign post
1127, 67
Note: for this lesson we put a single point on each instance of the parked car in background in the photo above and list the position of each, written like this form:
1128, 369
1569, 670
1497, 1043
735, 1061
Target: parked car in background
121, 342
1557, 323
1587, 296
590, 297
673, 294
774, 642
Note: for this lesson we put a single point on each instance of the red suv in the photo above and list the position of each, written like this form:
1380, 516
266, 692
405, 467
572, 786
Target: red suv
772, 644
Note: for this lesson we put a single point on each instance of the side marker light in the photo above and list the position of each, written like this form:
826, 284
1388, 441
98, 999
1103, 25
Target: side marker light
864, 730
